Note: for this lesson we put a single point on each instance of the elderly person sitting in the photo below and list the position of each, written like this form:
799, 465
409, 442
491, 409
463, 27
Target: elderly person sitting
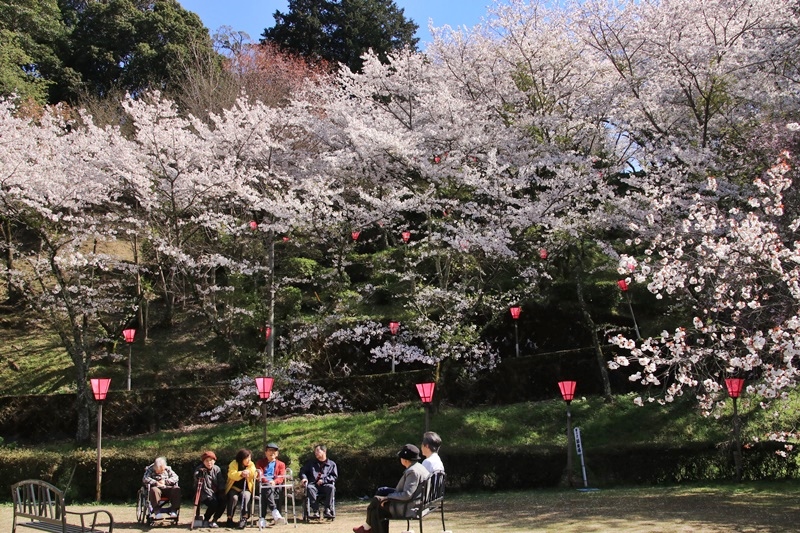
397, 503
162, 481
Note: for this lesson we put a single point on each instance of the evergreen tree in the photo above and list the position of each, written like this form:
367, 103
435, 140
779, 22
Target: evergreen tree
342, 30
30, 31
134, 45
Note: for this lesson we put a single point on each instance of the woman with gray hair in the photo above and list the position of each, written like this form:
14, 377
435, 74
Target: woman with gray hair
162, 481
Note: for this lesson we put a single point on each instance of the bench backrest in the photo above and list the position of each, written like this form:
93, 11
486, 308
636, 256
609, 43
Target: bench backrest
433, 490
34, 498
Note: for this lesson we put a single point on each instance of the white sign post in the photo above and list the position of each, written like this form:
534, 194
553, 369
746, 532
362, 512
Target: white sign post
579, 448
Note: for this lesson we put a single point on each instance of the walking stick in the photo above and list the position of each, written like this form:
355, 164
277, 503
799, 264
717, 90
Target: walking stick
200, 477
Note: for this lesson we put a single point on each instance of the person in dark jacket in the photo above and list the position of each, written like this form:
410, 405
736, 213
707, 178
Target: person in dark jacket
398, 503
211, 481
319, 478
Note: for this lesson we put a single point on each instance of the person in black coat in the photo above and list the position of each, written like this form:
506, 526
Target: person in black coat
211, 481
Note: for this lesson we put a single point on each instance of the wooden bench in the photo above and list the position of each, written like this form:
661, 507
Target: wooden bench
40, 505
432, 491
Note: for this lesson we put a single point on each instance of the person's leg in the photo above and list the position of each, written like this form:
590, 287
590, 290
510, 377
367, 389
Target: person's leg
376, 517
328, 499
219, 508
233, 499
174, 495
153, 495
267, 500
244, 515
312, 493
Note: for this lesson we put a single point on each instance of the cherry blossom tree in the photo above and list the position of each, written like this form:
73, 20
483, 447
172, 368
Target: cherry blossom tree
60, 192
736, 269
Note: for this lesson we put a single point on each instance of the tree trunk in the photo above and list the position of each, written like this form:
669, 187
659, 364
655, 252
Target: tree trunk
13, 295
598, 350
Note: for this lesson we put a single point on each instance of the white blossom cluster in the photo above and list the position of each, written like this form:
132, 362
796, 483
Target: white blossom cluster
731, 267
292, 393
630, 130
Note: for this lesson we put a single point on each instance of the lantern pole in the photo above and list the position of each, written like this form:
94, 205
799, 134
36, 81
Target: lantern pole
568, 393
129, 336
425, 391
264, 387
99, 390
623, 286
515, 315
734, 386
394, 327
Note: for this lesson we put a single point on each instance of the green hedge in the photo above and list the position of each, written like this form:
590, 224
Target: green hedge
468, 470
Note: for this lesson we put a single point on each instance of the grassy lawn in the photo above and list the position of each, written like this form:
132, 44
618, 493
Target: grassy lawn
479, 428
747, 507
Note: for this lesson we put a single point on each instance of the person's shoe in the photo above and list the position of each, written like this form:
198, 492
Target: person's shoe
213, 525
230, 523
262, 522
314, 516
242, 523
359, 529
328, 516
205, 523
173, 514
158, 516
276, 515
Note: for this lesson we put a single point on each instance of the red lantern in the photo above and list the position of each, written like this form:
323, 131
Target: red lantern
253, 224
267, 332
129, 334
425, 391
285, 239
355, 235
623, 285
542, 253
406, 236
100, 388
394, 327
264, 386
567, 390
734, 386
515, 312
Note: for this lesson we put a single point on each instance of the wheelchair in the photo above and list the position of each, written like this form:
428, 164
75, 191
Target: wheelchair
145, 514
325, 513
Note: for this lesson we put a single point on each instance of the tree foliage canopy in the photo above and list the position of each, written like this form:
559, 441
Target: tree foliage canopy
533, 161
342, 30
59, 51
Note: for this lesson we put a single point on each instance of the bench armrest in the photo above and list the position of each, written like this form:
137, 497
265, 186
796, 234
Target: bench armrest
96, 519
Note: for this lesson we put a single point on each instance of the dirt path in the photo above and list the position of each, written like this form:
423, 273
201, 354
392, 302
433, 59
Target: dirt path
654, 510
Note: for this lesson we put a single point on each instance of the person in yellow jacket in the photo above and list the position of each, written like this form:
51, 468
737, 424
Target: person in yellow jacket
239, 487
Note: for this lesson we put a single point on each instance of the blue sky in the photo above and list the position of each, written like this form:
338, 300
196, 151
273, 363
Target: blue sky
252, 16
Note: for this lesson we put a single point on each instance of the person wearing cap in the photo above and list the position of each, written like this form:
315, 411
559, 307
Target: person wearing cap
210, 479
271, 472
431, 442
399, 503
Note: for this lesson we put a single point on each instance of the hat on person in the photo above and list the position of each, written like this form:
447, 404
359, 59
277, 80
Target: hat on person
410, 452
272, 446
208, 455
